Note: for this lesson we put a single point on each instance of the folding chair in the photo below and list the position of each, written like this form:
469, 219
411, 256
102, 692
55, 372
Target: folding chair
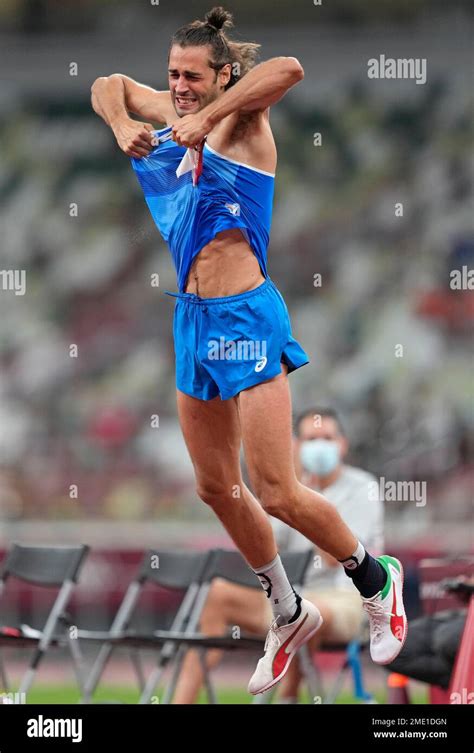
182, 571
183, 634
47, 567
231, 566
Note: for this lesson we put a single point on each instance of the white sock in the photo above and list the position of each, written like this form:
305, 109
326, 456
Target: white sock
355, 559
284, 600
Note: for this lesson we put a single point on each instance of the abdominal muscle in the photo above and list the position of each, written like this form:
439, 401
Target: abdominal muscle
226, 266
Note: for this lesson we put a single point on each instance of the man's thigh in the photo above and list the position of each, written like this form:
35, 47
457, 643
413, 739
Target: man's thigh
266, 420
211, 430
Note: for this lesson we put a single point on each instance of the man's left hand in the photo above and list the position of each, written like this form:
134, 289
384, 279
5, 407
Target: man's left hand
190, 130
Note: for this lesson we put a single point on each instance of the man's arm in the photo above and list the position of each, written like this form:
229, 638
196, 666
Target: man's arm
114, 97
260, 88
119, 95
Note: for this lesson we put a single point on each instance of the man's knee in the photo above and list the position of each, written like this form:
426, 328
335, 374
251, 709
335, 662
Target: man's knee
214, 491
216, 598
278, 500
219, 592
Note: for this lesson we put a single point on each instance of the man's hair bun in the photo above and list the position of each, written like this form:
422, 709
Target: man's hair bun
219, 18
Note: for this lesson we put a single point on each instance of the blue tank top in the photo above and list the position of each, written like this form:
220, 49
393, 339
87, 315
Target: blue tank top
227, 195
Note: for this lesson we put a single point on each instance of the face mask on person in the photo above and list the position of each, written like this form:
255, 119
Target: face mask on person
319, 456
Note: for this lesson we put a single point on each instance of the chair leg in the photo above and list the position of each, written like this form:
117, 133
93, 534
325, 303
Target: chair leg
191, 627
105, 651
137, 665
96, 672
54, 618
153, 680
310, 673
178, 663
170, 651
78, 665
28, 677
336, 688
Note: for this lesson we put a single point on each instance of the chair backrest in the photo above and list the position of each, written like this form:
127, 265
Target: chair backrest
44, 565
231, 565
173, 569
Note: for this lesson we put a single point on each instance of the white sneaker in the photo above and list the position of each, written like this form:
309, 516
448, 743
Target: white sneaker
387, 619
281, 645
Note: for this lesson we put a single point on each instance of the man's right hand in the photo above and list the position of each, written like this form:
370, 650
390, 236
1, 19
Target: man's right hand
134, 138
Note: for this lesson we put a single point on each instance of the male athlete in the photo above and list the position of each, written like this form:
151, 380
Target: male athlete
208, 179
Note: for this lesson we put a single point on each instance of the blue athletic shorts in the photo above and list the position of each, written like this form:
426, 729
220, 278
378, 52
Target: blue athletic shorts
225, 345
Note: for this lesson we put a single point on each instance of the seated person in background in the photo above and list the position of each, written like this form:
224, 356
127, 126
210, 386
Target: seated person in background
320, 447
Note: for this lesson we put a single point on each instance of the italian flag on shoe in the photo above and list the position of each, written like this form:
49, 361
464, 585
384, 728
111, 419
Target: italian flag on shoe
387, 619
281, 645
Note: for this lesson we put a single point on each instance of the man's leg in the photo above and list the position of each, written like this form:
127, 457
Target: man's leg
265, 412
212, 434
227, 604
213, 437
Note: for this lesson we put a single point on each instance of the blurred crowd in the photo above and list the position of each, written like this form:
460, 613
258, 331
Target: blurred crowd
368, 227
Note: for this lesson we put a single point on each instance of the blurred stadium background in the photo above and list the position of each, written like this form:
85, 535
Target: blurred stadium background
88, 421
